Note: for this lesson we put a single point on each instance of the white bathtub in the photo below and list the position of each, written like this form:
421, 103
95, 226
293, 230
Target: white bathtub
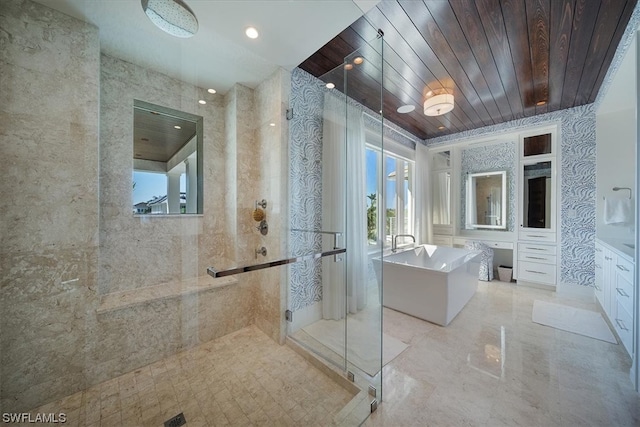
430, 282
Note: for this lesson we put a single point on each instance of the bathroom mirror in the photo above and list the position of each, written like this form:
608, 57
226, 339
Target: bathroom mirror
537, 188
167, 161
486, 200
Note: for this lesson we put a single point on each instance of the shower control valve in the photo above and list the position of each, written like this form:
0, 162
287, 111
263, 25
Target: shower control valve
262, 251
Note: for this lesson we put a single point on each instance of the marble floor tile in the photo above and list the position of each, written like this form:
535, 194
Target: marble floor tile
492, 366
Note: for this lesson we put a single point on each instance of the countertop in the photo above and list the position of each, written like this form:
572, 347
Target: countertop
620, 246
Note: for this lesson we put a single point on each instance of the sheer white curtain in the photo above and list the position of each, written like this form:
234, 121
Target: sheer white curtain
441, 191
423, 195
344, 207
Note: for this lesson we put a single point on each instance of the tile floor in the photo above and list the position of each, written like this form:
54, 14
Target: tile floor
242, 379
493, 367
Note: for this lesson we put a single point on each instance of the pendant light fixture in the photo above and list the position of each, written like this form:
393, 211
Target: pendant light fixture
439, 104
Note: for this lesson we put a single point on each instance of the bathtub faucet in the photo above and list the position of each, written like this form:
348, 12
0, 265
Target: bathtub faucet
394, 241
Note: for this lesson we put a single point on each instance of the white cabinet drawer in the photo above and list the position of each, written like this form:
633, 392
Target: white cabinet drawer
537, 249
623, 323
537, 272
442, 240
599, 283
624, 291
537, 236
624, 268
533, 257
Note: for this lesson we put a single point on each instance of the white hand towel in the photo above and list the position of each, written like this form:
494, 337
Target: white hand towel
618, 211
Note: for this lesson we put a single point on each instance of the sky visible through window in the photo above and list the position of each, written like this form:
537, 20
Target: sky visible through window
372, 177
149, 185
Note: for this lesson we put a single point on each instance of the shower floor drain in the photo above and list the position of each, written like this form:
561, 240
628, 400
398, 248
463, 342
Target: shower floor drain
176, 421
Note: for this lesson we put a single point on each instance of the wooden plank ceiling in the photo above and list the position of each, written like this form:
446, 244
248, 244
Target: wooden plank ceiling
501, 59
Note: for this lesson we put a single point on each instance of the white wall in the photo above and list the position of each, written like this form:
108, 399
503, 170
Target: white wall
615, 144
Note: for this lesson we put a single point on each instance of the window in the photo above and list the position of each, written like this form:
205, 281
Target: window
395, 214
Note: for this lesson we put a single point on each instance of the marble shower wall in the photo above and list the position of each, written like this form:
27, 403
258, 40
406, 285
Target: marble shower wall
49, 91
142, 251
272, 134
70, 239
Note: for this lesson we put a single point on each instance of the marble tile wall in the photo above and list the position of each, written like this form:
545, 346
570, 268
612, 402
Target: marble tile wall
272, 134
69, 233
49, 91
151, 240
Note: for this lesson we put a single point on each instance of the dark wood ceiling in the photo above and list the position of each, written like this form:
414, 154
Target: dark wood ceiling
499, 58
155, 136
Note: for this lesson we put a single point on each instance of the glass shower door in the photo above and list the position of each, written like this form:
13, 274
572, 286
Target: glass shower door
363, 77
335, 302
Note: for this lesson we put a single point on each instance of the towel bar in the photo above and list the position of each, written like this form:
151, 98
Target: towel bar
620, 188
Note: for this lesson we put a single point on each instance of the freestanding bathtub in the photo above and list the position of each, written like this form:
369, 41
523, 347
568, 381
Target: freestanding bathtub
433, 283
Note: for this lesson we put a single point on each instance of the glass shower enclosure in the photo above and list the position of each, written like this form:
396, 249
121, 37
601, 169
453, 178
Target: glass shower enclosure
335, 302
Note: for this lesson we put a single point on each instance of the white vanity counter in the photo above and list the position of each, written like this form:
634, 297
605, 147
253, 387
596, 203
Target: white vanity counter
619, 246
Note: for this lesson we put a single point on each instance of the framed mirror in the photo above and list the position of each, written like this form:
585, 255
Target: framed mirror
167, 161
487, 200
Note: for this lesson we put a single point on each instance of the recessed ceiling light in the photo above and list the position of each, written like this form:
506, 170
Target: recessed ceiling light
441, 127
211, 90
430, 93
542, 102
272, 124
171, 16
251, 32
177, 127
403, 109
348, 66
358, 60
202, 101
330, 85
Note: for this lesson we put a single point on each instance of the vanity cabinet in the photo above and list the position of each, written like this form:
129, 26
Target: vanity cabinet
599, 289
537, 263
614, 290
624, 294
537, 194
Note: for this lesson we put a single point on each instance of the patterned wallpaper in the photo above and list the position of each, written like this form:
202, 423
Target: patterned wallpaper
490, 158
305, 179
305, 186
578, 171
578, 189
